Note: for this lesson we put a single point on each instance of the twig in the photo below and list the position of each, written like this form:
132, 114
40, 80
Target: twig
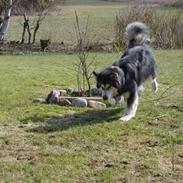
180, 109
162, 94
160, 116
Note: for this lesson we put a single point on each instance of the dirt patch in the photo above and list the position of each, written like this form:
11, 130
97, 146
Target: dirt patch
14, 147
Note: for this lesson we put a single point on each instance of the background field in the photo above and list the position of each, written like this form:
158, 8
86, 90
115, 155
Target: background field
45, 143
60, 25
108, 2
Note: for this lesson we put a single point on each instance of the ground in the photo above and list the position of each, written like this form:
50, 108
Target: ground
49, 143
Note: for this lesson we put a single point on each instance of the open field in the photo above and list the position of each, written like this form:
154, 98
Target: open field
109, 2
59, 26
45, 143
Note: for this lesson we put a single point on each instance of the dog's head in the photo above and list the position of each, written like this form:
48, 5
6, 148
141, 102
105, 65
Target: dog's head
110, 81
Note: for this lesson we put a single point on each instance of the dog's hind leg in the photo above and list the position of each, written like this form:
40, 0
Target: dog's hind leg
155, 85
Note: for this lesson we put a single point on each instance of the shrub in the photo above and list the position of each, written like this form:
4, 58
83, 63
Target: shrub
30, 6
166, 28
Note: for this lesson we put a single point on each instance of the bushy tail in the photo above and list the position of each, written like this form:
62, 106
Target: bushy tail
137, 33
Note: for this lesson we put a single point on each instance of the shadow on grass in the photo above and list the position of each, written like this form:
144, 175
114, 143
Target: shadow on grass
34, 119
89, 117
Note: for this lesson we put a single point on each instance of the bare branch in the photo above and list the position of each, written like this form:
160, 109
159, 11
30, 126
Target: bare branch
162, 96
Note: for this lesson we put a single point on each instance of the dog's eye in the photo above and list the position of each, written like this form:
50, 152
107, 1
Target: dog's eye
103, 88
98, 85
108, 86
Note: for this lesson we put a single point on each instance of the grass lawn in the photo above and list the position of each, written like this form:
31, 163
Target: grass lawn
45, 143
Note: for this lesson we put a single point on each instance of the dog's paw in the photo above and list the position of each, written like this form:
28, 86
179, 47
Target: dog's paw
126, 118
157, 88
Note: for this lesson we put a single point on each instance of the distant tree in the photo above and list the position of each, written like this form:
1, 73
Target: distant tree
31, 27
1, 6
5, 11
28, 5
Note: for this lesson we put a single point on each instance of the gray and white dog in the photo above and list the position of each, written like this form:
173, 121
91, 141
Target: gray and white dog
128, 75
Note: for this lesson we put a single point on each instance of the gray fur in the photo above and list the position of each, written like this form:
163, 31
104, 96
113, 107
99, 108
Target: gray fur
137, 33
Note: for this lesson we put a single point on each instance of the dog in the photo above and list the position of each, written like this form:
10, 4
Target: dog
128, 74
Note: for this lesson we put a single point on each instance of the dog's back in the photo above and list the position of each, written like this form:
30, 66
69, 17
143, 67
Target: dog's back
140, 62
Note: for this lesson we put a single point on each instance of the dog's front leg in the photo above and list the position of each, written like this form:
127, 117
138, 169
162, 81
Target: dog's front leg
132, 103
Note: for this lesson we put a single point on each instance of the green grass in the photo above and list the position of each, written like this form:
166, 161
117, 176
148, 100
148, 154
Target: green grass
44, 143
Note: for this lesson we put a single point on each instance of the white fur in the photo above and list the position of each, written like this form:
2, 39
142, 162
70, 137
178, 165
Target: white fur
155, 85
130, 112
110, 93
140, 90
142, 37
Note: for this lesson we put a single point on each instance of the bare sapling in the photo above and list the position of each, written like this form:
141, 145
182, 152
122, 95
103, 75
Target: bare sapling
84, 66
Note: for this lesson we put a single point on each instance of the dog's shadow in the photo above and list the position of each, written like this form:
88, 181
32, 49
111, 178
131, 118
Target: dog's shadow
89, 117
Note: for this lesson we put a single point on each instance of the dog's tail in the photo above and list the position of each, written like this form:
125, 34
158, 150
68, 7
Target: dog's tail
137, 33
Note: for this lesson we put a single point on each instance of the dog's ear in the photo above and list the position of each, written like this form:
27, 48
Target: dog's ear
95, 74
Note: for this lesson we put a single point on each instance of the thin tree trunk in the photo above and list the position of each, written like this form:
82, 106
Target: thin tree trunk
5, 23
23, 35
29, 33
26, 27
88, 83
26, 22
35, 32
